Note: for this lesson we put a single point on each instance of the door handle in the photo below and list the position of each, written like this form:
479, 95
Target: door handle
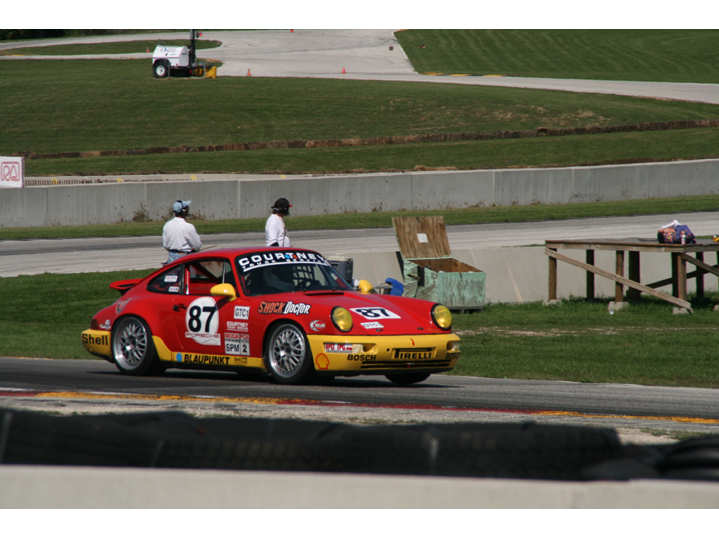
178, 308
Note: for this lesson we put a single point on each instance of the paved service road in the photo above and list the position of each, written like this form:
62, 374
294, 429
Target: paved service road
365, 55
31, 257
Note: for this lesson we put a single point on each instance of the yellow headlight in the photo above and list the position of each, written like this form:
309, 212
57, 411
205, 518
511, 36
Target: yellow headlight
441, 316
342, 319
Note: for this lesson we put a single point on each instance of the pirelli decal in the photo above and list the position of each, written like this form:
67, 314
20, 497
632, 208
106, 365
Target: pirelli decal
209, 359
412, 353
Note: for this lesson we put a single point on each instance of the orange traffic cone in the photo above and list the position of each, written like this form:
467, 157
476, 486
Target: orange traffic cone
291, 31
343, 70
148, 49
248, 73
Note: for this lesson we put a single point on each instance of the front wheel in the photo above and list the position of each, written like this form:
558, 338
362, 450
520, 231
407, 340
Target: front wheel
407, 379
288, 356
132, 348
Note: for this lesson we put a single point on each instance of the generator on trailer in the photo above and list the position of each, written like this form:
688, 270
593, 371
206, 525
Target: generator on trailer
177, 61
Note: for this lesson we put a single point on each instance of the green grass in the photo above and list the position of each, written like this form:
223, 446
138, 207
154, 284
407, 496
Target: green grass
81, 105
636, 55
473, 215
577, 341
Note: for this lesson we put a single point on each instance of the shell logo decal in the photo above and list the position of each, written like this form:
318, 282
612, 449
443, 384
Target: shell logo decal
322, 362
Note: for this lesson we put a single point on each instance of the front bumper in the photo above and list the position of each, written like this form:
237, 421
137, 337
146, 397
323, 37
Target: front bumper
384, 354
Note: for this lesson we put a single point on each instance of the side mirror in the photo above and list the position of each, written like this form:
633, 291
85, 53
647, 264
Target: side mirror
225, 291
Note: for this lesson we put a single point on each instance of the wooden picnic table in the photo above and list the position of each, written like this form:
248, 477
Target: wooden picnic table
692, 253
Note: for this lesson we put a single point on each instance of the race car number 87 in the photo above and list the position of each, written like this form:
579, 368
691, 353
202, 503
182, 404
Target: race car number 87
375, 313
194, 321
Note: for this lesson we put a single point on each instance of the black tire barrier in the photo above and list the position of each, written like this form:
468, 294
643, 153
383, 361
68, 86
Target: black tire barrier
176, 440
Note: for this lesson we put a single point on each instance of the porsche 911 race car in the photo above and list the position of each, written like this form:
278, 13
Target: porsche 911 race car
281, 311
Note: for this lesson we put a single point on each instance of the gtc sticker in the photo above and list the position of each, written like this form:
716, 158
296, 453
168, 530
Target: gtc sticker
372, 325
322, 362
283, 307
375, 313
317, 325
202, 322
237, 344
242, 313
338, 348
238, 326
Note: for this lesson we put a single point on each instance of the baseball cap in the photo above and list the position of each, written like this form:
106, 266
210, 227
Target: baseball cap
177, 206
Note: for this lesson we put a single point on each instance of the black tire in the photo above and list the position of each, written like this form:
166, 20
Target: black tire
161, 70
407, 379
132, 348
288, 357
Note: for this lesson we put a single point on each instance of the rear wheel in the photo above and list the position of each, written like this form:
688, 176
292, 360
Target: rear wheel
132, 348
160, 70
407, 379
288, 356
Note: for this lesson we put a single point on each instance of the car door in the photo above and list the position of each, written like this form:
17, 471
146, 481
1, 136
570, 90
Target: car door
210, 327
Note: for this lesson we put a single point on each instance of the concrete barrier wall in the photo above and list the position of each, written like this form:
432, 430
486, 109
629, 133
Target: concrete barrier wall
217, 196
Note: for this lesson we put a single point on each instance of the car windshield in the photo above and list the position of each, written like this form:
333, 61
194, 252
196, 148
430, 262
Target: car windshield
275, 272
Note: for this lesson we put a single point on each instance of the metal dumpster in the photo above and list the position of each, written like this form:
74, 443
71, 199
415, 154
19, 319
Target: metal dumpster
430, 272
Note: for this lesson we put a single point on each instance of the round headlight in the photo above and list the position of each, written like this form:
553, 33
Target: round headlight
342, 319
441, 316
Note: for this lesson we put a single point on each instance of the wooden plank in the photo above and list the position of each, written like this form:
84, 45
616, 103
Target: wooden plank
552, 295
590, 275
619, 270
607, 275
421, 237
634, 275
701, 264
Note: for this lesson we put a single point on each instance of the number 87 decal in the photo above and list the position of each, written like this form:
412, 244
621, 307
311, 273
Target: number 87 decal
375, 313
201, 322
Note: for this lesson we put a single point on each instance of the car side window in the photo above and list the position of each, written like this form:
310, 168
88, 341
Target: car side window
202, 275
168, 282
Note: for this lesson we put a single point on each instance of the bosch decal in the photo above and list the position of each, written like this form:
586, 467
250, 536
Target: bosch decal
237, 344
242, 313
279, 257
375, 313
283, 307
202, 322
317, 325
364, 358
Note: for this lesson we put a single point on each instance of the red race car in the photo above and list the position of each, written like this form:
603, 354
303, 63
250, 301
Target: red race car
284, 311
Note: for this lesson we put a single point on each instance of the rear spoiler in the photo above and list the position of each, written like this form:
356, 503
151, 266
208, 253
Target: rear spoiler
124, 286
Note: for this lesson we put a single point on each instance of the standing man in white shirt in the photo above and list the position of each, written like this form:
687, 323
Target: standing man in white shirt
275, 230
178, 236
